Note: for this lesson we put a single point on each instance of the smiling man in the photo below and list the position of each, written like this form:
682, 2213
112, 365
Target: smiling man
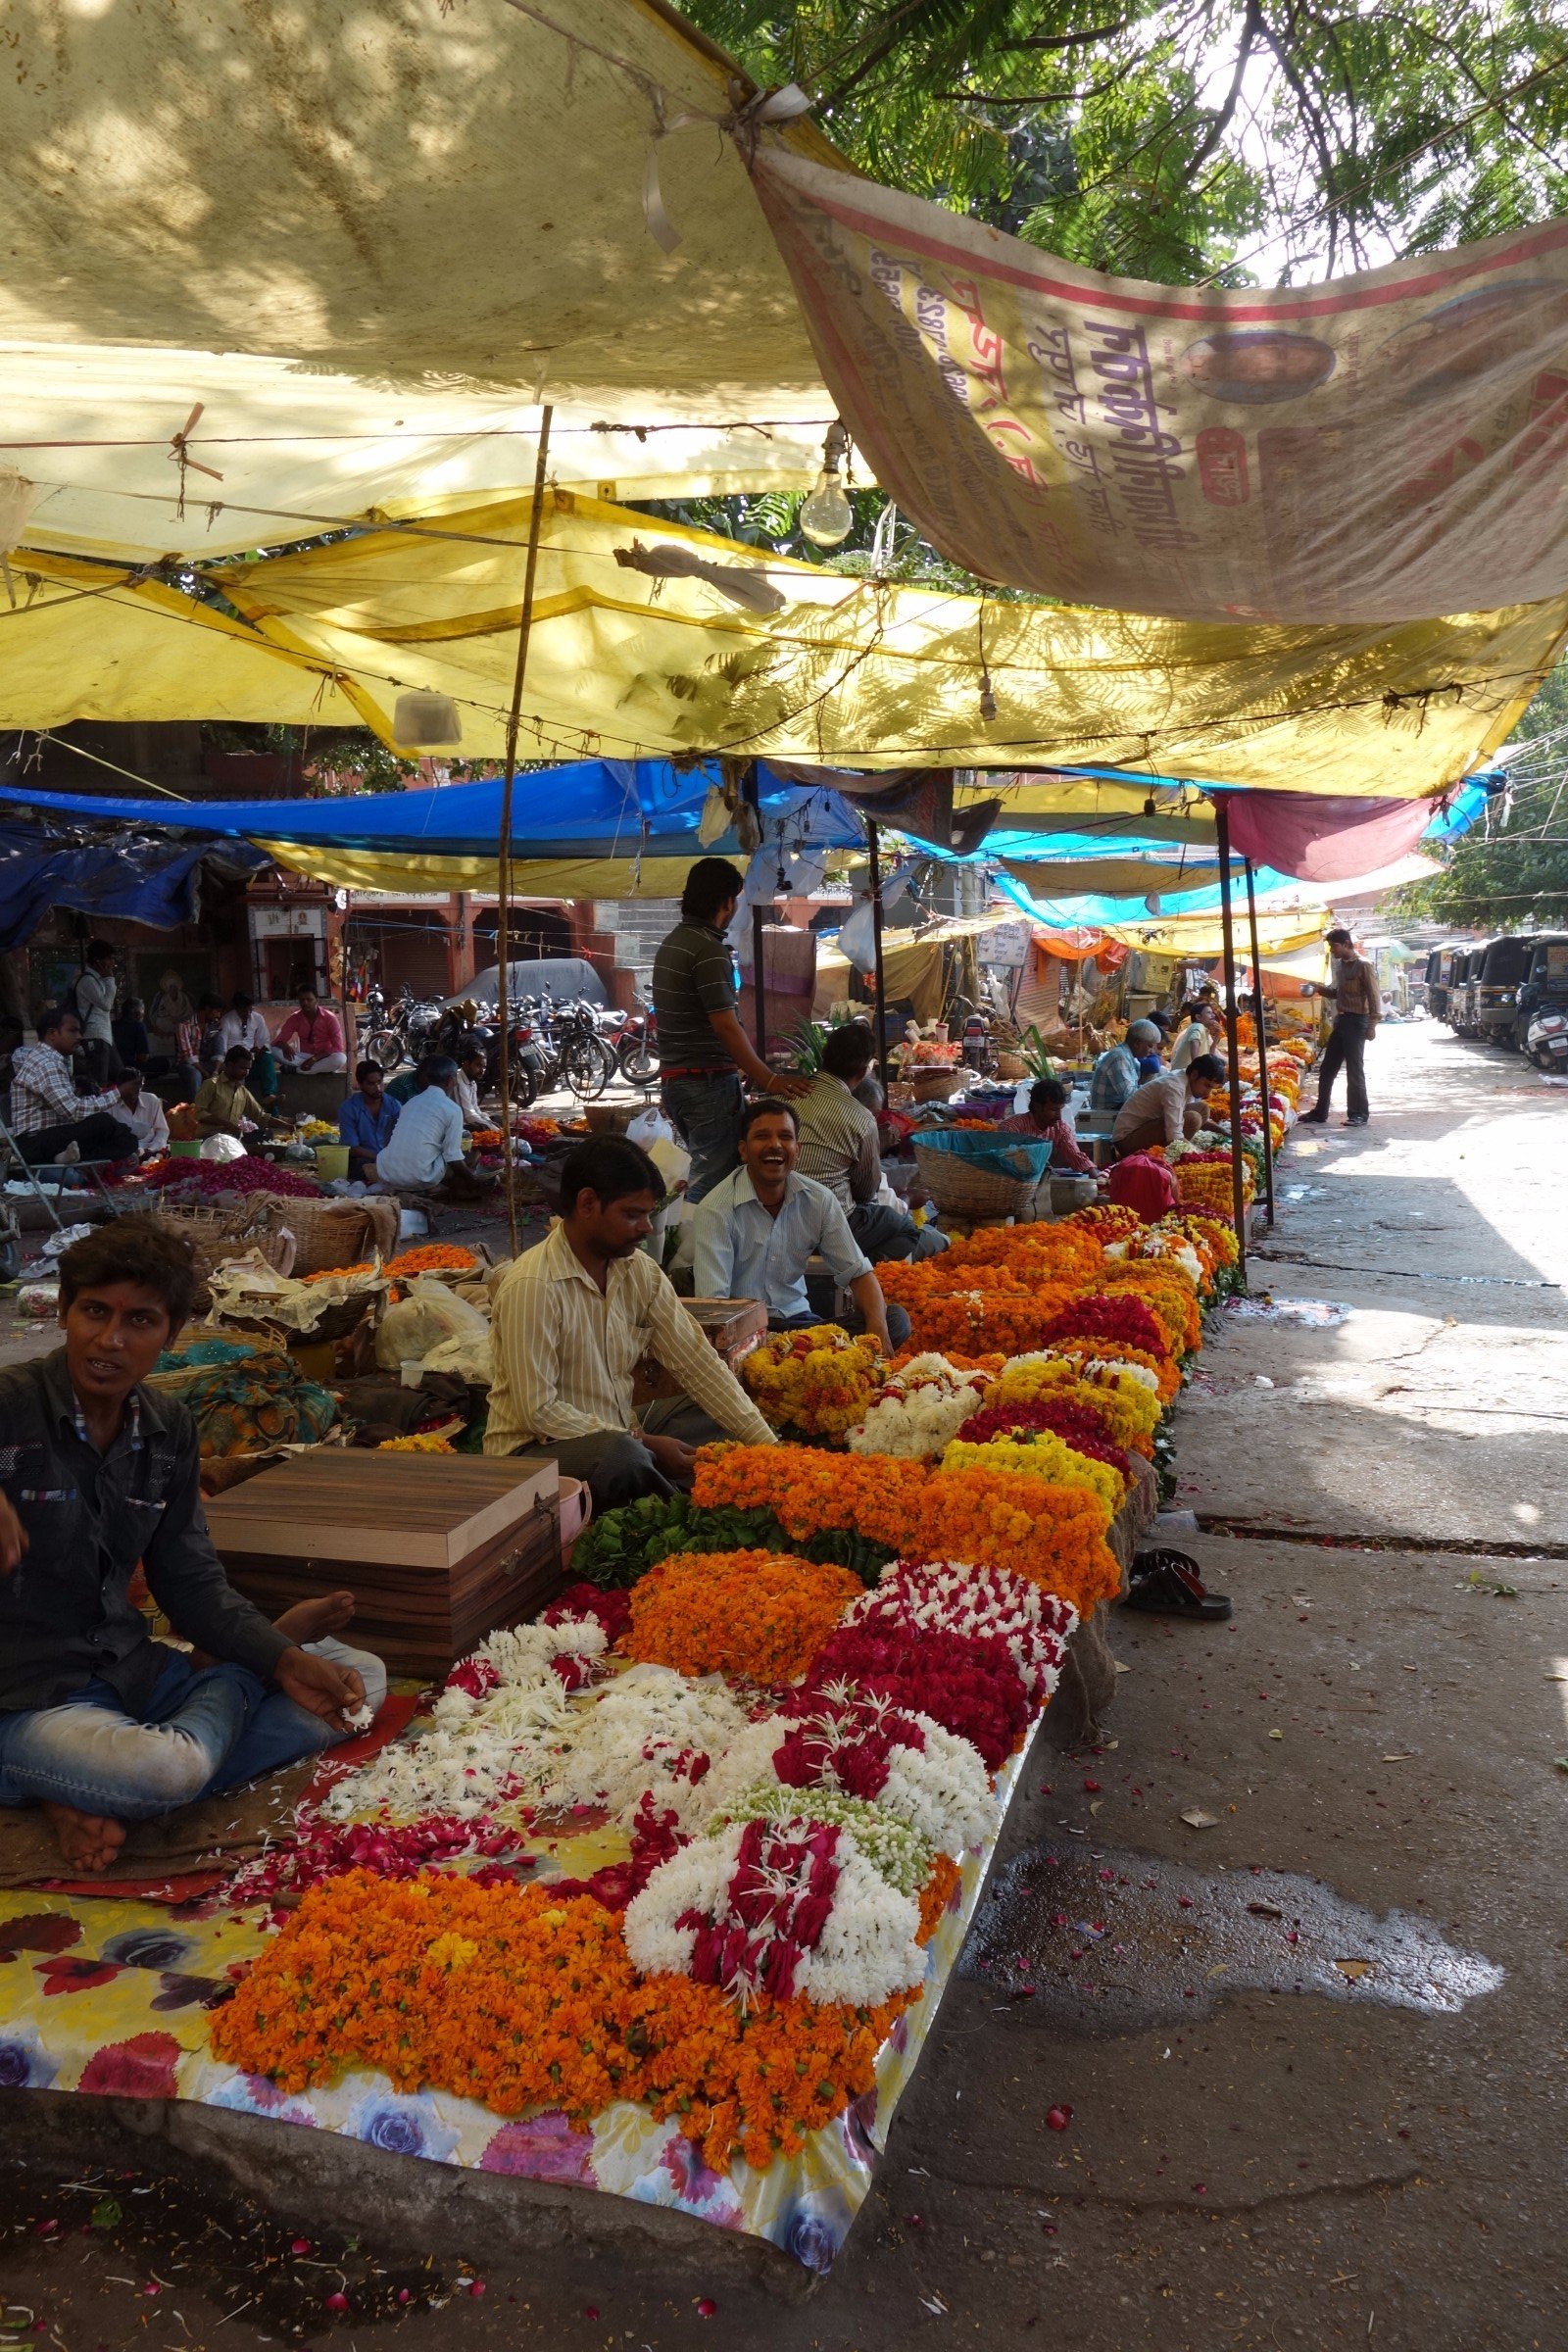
759, 1230
99, 1723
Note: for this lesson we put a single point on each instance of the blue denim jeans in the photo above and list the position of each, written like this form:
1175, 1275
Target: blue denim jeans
706, 1113
204, 1730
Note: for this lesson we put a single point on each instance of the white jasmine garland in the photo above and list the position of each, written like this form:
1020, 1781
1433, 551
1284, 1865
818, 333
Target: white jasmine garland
920, 1409
651, 1729
942, 1791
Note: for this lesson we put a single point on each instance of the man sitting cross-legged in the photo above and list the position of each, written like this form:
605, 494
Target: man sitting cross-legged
99, 1723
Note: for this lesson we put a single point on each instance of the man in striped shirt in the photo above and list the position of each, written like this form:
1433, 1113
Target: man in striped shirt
572, 1321
48, 1115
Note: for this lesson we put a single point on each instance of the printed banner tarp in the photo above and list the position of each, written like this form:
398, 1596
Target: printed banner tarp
1382, 448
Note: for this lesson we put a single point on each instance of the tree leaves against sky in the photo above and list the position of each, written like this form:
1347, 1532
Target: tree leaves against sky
1511, 873
1247, 140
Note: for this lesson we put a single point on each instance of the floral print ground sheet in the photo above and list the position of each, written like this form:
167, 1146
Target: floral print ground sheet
112, 1997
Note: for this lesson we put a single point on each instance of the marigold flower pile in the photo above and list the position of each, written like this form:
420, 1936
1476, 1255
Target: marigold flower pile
817, 1382
757, 1617
799, 1754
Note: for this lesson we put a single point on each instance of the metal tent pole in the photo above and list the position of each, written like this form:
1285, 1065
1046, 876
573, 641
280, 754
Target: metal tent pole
1262, 1047
1222, 830
874, 871
504, 848
749, 786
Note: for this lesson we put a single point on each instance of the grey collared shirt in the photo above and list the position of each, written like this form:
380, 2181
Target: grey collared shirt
65, 1616
744, 1252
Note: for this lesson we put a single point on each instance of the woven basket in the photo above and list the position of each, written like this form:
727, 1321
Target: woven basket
331, 1233
1011, 1066
964, 1184
218, 1235
935, 1086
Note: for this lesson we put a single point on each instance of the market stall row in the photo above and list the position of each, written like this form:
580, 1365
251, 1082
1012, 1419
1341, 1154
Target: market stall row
657, 1895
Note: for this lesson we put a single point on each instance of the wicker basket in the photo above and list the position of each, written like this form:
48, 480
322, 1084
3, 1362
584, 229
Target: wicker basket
331, 1233
218, 1235
962, 1183
935, 1086
1011, 1066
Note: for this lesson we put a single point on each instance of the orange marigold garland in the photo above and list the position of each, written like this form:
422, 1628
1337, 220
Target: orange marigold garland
819, 1382
760, 1616
521, 1999
1053, 1535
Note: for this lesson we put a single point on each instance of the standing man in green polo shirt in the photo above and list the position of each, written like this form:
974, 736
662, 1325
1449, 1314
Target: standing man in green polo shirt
704, 1052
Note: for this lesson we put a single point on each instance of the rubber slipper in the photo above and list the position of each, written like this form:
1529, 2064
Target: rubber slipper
1167, 1584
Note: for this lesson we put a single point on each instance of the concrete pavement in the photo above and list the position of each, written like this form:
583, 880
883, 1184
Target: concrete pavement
1370, 1754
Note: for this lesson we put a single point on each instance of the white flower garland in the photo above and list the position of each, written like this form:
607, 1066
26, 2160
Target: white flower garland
866, 1952
942, 1791
650, 1729
920, 1409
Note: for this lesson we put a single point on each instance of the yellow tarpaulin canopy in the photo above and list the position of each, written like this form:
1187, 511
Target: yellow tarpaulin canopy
531, 878
864, 674
368, 241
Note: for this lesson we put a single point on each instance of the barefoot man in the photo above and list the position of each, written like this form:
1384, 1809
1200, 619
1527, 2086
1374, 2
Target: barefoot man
99, 1723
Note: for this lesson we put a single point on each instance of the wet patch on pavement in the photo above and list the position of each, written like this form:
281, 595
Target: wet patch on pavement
1103, 1942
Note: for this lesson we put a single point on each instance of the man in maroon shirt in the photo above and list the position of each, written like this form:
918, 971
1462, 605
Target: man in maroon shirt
312, 1039
1046, 1121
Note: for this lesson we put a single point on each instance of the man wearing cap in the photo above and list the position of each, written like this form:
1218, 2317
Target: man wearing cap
1357, 1003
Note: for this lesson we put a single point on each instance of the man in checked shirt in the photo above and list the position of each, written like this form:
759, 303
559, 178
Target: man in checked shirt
48, 1115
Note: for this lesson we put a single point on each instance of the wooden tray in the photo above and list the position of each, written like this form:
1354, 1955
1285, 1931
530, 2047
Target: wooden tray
437, 1549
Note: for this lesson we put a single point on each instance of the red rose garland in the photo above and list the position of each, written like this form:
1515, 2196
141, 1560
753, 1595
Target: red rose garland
1080, 1428
970, 1687
1101, 1318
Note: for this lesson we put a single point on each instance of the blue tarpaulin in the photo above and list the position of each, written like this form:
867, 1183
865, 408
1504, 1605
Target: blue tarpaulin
141, 881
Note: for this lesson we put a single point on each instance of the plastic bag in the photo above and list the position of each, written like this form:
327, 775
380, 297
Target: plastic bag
430, 1314
650, 1127
221, 1148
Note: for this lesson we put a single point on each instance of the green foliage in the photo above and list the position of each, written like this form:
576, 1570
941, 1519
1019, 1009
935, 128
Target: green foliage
1512, 870
622, 1546
1184, 139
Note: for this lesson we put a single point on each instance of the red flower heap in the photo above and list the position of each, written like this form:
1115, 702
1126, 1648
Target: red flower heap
971, 1687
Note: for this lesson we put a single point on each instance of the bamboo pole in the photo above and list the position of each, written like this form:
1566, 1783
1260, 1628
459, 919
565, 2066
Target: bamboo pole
751, 788
1263, 1045
504, 858
879, 972
1222, 830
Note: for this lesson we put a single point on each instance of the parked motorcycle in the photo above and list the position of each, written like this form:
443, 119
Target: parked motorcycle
1546, 1041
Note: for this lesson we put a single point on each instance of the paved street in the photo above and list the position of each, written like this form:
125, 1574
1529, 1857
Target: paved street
1295, 2119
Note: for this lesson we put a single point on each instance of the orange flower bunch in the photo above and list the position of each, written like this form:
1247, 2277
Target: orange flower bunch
1071, 1251
977, 1309
1053, 1535
760, 1616
522, 1999
330, 1273
820, 1381
935, 1894
1216, 1235
433, 1258
1106, 1221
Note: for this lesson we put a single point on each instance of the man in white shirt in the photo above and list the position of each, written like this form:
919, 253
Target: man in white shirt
424, 1154
144, 1114
472, 1063
573, 1318
756, 1232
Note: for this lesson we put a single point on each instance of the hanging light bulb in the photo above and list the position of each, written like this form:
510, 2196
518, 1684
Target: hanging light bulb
427, 722
827, 516
988, 700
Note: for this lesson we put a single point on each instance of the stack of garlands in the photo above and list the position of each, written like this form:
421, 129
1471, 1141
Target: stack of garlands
819, 1382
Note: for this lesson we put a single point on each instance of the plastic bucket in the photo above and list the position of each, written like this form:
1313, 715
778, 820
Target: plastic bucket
332, 1161
180, 1151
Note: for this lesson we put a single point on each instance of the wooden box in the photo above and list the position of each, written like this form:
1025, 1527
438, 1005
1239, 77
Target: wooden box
438, 1550
733, 1326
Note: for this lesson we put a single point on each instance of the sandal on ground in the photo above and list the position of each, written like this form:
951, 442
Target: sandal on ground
1167, 1584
